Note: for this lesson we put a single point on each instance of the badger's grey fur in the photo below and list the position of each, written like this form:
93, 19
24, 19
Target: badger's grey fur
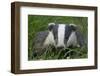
60, 36
38, 42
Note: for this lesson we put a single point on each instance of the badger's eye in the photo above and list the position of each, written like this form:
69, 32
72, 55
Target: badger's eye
73, 26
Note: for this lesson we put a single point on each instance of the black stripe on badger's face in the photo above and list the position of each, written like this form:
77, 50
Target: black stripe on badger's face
68, 31
55, 33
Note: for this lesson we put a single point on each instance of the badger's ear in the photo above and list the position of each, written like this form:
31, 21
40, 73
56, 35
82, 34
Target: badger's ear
73, 26
50, 26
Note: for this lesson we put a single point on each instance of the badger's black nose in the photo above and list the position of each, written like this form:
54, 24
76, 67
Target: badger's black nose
60, 47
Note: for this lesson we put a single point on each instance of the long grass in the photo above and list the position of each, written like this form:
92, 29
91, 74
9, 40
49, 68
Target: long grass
38, 23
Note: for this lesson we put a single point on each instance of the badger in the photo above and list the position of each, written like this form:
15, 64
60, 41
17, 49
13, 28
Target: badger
66, 35
60, 36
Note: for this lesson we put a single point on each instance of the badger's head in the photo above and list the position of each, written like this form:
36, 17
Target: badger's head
64, 35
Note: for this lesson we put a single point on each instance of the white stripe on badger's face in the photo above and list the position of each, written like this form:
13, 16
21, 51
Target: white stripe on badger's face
61, 35
49, 40
72, 40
